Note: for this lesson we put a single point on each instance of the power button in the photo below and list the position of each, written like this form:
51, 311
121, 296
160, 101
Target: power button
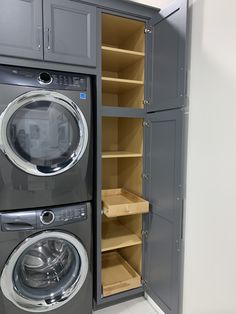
47, 217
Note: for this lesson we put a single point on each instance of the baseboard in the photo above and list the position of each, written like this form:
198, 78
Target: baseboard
153, 304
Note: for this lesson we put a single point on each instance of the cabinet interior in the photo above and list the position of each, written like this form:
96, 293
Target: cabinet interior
122, 137
122, 173
123, 54
122, 254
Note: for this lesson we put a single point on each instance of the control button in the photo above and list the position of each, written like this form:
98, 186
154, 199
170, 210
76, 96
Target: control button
55, 79
47, 217
45, 78
76, 81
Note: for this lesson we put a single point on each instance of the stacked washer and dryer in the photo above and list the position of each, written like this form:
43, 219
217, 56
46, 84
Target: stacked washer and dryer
46, 169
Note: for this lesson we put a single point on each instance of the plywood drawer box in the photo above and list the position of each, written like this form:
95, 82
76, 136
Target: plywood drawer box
117, 274
120, 202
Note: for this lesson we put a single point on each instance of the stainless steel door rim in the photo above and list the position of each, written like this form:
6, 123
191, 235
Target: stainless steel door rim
48, 96
17, 298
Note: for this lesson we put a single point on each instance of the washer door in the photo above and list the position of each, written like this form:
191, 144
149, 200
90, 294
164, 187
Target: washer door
43, 133
45, 271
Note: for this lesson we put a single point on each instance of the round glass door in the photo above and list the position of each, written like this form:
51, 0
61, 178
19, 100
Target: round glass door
43, 133
45, 271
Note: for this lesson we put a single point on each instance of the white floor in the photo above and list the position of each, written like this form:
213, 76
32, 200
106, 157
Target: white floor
136, 306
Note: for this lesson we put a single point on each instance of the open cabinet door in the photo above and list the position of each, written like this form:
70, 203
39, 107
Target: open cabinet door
163, 241
166, 55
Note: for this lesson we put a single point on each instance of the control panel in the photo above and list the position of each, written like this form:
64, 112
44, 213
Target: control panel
62, 215
43, 78
43, 218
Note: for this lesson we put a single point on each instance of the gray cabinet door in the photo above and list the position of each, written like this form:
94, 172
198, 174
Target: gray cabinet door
21, 28
167, 45
164, 223
69, 32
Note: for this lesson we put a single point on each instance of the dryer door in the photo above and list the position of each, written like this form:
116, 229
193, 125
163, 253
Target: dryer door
45, 271
43, 133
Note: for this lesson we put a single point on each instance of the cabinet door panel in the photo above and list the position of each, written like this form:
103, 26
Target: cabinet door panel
167, 58
162, 247
70, 32
21, 28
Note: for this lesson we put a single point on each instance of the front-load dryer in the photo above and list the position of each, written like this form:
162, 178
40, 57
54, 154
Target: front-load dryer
45, 138
46, 260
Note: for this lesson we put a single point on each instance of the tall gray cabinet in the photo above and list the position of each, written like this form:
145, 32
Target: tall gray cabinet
143, 96
137, 57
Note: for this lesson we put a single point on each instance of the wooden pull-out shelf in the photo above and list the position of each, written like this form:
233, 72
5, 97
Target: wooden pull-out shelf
120, 202
120, 154
116, 236
117, 274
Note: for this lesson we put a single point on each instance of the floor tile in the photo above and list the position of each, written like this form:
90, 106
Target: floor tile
139, 306
136, 306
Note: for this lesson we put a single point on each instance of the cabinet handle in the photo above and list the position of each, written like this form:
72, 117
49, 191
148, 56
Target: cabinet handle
38, 37
48, 39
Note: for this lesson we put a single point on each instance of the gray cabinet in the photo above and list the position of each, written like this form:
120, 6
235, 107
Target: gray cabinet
167, 49
162, 169
69, 32
21, 28
164, 192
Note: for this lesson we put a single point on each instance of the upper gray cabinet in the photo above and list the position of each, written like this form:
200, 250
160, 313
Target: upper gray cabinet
21, 28
167, 62
69, 32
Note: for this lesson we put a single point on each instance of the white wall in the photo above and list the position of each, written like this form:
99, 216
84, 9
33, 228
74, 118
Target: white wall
210, 232
210, 259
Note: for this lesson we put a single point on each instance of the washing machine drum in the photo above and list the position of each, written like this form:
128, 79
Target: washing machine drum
43, 133
45, 271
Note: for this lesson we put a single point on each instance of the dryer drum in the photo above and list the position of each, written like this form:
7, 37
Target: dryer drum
45, 271
43, 133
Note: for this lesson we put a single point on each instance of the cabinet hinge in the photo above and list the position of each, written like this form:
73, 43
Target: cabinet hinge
146, 102
146, 124
144, 282
148, 30
145, 176
145, 233
178, 245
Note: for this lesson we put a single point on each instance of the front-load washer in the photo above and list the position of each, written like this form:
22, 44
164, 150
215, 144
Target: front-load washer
46, 260
45, 138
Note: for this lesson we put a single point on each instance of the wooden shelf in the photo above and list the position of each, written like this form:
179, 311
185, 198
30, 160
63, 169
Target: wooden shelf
120, 202
114, 59
117, 274
117, 85
116, 236
120, 154
123, 33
